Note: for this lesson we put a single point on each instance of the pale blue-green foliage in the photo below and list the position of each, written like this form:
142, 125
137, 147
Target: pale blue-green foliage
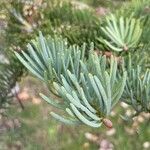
89, 87
137, 89
121, 33
91, 99
48, 58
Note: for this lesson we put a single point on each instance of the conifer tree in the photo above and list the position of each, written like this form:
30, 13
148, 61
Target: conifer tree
88, 82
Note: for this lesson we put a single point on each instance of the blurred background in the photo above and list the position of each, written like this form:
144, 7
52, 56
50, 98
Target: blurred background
25, 121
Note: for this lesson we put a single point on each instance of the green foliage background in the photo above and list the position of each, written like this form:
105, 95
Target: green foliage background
78, 26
